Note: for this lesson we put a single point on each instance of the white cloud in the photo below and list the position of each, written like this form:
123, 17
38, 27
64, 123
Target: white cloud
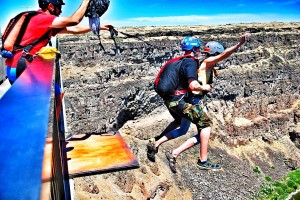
198, 20
203, 20
289, 2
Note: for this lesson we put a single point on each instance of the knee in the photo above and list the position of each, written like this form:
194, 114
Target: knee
183, 130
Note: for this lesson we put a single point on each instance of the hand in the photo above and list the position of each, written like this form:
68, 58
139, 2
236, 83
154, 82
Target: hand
216, 73
106, 27
207, 87
244, 37
109, 26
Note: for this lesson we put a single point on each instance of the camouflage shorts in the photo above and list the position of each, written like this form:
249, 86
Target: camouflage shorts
193, 112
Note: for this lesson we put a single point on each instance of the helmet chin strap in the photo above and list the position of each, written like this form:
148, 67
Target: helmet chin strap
194, 50
192, 53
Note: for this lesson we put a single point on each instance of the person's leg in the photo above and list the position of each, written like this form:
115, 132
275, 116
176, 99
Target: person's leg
191, 112
182, 130
173, 125
171, 155
195, 114
204, 162
204, 138
152, 148
187, 144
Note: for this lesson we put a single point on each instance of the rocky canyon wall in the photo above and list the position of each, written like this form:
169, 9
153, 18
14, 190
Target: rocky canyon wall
254, 105
257, 94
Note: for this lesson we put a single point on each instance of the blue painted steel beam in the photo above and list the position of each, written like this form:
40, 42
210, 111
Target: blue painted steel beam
24, 115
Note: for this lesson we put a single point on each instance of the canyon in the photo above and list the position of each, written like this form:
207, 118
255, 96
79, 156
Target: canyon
254, 105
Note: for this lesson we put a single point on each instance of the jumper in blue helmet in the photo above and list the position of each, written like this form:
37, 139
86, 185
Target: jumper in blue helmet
189, 42
194, 108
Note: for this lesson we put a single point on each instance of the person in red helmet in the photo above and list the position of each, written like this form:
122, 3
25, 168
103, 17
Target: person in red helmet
45, 24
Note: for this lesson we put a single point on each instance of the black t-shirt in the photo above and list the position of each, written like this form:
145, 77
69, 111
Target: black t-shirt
188, 70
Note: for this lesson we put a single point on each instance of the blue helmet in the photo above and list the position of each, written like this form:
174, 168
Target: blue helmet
213, 47
189, 42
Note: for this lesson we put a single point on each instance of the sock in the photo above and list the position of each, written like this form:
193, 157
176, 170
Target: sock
202, 162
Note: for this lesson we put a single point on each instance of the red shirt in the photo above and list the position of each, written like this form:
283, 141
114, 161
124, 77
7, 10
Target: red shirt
37, 27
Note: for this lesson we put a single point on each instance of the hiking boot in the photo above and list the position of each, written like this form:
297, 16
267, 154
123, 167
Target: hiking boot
172, 161
207, 165
151, 150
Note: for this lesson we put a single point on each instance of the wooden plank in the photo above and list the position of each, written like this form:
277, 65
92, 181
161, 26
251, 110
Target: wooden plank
95, 153
48, 161
46, 170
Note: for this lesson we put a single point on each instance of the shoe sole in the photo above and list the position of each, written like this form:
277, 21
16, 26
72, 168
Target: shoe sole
150, 156
211, 169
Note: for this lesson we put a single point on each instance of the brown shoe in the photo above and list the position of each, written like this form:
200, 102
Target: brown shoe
151, 150
172, 161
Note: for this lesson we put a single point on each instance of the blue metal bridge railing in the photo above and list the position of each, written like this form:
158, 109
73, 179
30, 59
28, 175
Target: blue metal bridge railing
26, 110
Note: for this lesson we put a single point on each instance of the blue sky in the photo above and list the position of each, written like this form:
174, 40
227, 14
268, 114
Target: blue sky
174, 12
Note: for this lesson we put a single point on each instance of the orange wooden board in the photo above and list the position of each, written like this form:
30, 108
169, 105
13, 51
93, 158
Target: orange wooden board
46, 170
47, 162
95, 153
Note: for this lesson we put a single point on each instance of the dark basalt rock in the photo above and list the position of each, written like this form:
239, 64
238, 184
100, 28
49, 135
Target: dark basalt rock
256, 98
264, 73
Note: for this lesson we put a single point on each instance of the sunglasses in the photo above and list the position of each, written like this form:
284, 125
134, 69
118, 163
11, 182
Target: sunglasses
58, 6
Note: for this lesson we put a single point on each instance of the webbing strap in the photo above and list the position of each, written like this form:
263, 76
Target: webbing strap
24, 25
21, 66
28, 47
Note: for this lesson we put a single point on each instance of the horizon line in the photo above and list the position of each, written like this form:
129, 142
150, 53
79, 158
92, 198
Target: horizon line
220, 19
195, 20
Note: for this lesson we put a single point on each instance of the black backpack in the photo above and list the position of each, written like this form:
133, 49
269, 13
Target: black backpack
97, 8
167, 79
94, 11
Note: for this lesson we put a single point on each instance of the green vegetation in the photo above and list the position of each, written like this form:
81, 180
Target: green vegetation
277, 190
